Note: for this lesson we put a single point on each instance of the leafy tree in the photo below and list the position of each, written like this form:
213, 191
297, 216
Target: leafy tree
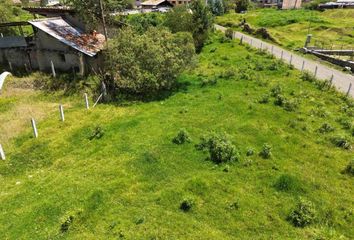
242, 5
90, 11
197, 20
5, 15
146, 64
217, 7
141, 22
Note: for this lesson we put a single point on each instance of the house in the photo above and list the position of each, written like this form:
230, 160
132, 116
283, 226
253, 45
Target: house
281, 4
179, 2
54, 41
156, 4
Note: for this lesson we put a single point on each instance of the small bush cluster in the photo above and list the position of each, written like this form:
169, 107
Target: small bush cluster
288, 183
349, 169
326, 128
182, 137
303, 215
229, 33
264, 99
308, 77
342, 142
97, 133
186, 205
208, 82
266, 151
220, 148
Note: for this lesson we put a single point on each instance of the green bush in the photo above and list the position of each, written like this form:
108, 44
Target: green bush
349, 169
220, 148
276, 91
303, 215
187, 204
264, 99
288, 183
182, 137
266, 151
229, 33
342, 142
147, 64
326, 128
308, 77
97, 133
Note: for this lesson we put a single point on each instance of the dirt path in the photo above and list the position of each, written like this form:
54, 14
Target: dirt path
342, 81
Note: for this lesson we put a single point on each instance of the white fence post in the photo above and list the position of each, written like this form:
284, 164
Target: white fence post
53, 69
61, 111
86, 101
2, 153
34, 126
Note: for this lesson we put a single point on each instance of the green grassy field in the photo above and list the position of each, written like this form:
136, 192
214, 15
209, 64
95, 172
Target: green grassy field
331, 27
129, 184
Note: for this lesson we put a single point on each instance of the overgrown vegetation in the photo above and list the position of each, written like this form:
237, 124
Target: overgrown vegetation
135, 178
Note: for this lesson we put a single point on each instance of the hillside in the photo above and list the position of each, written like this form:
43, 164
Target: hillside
128, 181
332, 28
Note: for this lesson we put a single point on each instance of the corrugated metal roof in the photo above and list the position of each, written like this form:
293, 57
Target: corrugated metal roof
89, 44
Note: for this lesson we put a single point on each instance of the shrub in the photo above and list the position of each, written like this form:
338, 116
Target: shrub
349, 169
186, 204
346, 123
279, 100
220, 148
266, 151
290, 105
308, 77
326, 128
249, 152
276, 90
182, 137
208, 82
264, 99
288, 183
342, 142
229, 33
303, 215
97, 133
66, 223
149, 63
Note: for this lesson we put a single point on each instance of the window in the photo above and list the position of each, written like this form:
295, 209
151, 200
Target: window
62, 57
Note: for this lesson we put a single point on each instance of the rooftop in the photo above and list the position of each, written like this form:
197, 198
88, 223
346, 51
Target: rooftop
89, 44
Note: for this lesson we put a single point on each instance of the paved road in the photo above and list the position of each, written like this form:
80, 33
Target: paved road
342, 81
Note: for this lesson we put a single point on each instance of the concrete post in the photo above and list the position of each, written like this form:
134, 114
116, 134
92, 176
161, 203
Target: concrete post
2, 153
86, 101
53, 69
291, 59
34, 127
61, 111
10, 65
261, 45
282, 53
241, 40
316, 71
272, 49
303, 66
331, 80
350, 87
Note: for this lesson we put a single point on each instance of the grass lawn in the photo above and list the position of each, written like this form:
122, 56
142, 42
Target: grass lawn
129, 184
290, 27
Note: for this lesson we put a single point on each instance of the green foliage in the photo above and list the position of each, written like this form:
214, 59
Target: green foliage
90, 11
217, 7
288, 183
229, 33
197, 20
349, 169
97, 133
308, 77
220, 148
142, 22
182, 137
303, 215
187, 204
341, 142
266, 151
148, 63
242, 5
326, 128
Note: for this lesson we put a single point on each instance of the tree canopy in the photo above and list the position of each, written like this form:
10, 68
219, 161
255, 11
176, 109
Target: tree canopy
147, 63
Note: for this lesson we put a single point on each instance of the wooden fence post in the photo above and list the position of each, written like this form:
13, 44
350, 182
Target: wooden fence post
61, 111
2, 153
331, 80
316, 69
291, 59
34, 126
272, 49
282, 53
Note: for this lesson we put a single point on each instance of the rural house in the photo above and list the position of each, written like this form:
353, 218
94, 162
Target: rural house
54, 41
